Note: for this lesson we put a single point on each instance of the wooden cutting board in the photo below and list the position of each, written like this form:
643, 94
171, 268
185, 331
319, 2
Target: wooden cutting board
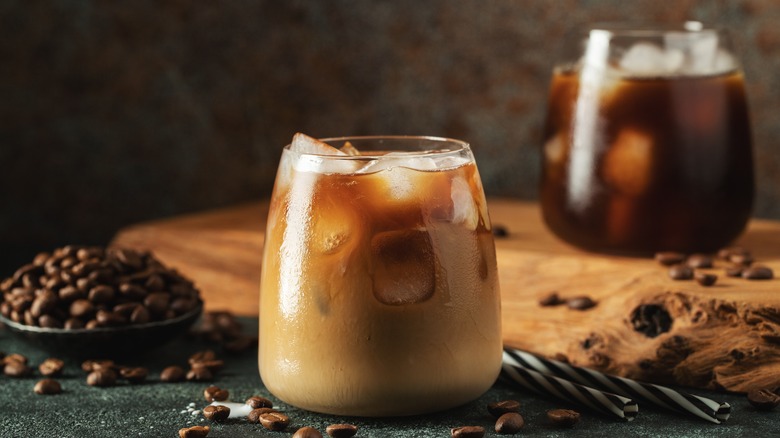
723, 336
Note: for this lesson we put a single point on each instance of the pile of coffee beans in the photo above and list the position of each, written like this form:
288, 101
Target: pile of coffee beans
736, 262
76, 287
764, 399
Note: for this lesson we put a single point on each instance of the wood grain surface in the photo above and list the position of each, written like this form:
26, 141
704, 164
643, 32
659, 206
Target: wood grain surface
723, 336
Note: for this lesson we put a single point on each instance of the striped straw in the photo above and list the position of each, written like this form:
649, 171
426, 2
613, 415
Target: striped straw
623, 407
701, 407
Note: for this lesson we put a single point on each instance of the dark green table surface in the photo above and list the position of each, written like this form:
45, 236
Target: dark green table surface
156, 409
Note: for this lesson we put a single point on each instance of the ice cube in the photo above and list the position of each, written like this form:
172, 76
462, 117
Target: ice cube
304, 144
333, 226
403, 267
464, 207
628, 163
350, 149
320, 157
648, 59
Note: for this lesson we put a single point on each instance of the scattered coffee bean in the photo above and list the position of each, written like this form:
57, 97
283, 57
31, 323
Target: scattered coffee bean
342, 430
194, 432
14, 368
254, 415
563, 417
134, 375
502, 407
240, 344
47, 387
680, 272
200, 374
758, 273
467, 432
216, 413
763, 399
259, 402
215, 393
51, 367
172, 374
734, 271
580, 303
307, 432
705, 279
500, 231
509, 423
202, 356
102, 377
699, 261
94, 365
275, 421
551, 299
668, 258
15, 357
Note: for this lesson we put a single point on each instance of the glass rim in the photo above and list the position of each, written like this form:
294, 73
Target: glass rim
644, 29
457, 147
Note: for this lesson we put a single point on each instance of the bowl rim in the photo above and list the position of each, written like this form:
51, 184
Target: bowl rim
18, 327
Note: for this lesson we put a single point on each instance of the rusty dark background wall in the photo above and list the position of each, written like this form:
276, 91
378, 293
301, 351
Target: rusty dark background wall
118, 112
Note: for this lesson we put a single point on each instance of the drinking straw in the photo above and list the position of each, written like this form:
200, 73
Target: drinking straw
602, 401
658, 395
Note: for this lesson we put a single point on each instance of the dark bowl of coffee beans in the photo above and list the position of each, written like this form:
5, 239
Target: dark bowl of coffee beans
82, 301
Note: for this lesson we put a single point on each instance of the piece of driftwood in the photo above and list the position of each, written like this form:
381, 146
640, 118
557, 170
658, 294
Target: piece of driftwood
644, 325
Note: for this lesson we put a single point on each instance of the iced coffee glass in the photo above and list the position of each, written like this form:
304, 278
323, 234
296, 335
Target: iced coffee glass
647, 142
379, 292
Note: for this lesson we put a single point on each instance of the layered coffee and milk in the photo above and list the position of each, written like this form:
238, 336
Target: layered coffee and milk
379, 289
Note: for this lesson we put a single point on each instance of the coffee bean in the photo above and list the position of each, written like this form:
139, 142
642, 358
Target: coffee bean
157, 302
509, 423
134, 375
734, 271
48, 321
94, 365
580, 303
563, 417
200, 374
669, 258
101, 294
154, 283
342, 430
214, 393
51, 367
132, 291
705, 279
140, 315
275, 421
699, 261
109, 319
43, 303
181, 306
744, 259
102, 378
467, 432
73, 324
172, 374
15, 357
502, 407
14, 368
307, 432
758, 273
500, 231
763, 399
47, 387
551, 299
194, 432
71, 293
216, 413
680, 272
129, 257
254, 415
259, 402
82, 309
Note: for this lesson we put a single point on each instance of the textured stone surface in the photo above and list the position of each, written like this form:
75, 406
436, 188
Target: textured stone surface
154, 409
115, 112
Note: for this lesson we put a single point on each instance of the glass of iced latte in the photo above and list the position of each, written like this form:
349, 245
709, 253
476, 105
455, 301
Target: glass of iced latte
647, 143
379, 292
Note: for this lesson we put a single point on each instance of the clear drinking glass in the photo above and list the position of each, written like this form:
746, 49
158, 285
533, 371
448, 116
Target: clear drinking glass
647, 143
379, 291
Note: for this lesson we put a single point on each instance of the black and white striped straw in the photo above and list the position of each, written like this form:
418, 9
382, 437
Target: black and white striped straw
605, 402
658, 395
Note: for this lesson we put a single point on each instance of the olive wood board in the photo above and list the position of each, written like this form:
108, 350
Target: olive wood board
726, 336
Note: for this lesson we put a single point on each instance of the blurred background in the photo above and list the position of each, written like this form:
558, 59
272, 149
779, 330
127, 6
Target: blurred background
113, 113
